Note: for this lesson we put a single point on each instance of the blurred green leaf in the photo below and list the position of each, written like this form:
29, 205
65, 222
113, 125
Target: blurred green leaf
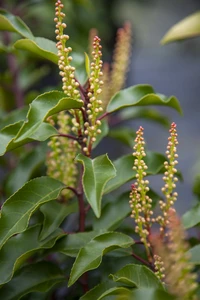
72, 243
186, 28
140, 95
20, 247
95, 178
54, 214
104, 131
191, 217
9, 22
25, 169
36, 277
14, 116
124, 134
35, 128
137, 276
90, 256
196, 186
39, 46
17, 210
125, 173
150, 114
194, 253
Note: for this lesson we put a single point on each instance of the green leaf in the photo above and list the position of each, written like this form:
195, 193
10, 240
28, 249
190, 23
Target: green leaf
25, 169
104, 131
36, 277
194, 254
137, 276
124, 134
17, 209
150, 114
39, 46
151, 294
34, 127
90, 256
186, 28
140, 95
72, 243
54, 214
20, 247
196, 186
98, 290
113, 213
191, 217
13, 23
95, 178
125, 173
121, 293
87, 64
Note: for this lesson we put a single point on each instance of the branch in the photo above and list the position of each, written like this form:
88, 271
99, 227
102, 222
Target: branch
103, 115
67, 136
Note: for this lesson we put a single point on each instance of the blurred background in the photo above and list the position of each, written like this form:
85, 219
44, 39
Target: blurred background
173, 69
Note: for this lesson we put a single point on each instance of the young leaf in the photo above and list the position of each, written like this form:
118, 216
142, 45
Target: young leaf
186, 28
34, 127
72, 243
87, 64
20, 247
13, 23
17, 209
54, 214
137, 276
39, 46
140, 95
191, 217
36, 277
90, 256
125, 173
95, 178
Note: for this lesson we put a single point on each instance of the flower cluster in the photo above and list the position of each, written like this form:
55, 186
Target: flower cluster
60, 163
94, 105
159, 267
140, 202
174, 253
169, 177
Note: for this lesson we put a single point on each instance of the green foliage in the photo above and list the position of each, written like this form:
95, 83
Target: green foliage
60, 241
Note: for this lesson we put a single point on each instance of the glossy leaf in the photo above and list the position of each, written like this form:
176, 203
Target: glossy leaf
39, 46
137, 276
36, 277
189, 27
194, 254
141, 95
125, 173
191, 217
17, 209
95, 178
121, 293
13, 23
25, 169
72, 243
124, 134
20, 247
54, 214
35, 128
150, 114
90, 256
